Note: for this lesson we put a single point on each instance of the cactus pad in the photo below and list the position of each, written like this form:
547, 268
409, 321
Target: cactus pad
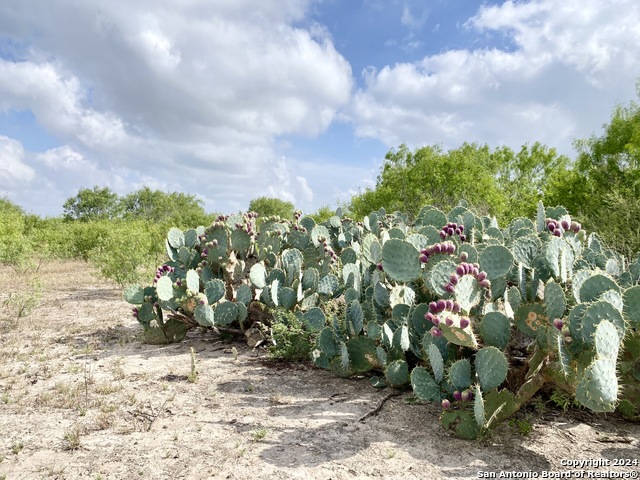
134, 294
460, 374
328, 284
467, 293
631, 299
596, 313
478, 406
164, 287
287, 297
596, 285
314, 319
554, 300
214, 290
424, 385
362, 354
495, 330
175, 237
607, 340
225, 313
459, 336
436, 361
526, 249
598, 387
491, 367
401, 261
243, 294
531, 319
204, 315
258, 276
496, 260
355, 318
397, 373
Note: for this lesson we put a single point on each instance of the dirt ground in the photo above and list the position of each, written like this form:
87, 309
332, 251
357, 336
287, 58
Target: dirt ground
82, 398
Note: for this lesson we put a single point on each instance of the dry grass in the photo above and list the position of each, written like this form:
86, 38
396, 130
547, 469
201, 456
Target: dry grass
82, 398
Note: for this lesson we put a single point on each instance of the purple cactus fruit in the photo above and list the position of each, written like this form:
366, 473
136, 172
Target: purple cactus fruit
578, 227
558, 323
424, 258
448, 321
443, 234
464, 322
441, 305
463, 238
446, 404
461, 227
557, 232
437, 248
134, 310
481, 276
458, 231
450, 232
433, 306
431, 250
457, 396
450, 288
452, 248
466, 395
448, 305
461, 270
565, 224
429, 317
456, 307
475, 272
485, 283
380, 266
552, 226
436, 332
436, 320
464, 256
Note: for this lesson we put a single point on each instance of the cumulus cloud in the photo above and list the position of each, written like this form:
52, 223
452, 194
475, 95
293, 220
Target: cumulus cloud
192, 95
13, 170
569, 65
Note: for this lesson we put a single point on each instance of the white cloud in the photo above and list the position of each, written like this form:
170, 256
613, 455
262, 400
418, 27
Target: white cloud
13, 170
64, 158
410, 20
189, 95
570, 63
57, 102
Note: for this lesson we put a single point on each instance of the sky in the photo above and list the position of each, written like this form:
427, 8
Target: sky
230, 100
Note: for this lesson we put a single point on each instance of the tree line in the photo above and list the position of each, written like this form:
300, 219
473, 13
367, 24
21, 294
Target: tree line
124, 235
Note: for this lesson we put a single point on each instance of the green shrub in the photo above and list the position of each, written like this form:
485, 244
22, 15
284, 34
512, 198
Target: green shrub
290, 340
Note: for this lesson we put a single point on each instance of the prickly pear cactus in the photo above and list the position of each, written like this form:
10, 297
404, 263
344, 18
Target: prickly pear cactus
468, 314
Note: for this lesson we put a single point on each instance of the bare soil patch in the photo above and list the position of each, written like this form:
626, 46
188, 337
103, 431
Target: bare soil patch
82, 398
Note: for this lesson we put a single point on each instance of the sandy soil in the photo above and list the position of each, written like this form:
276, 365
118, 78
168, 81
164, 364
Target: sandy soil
82, 398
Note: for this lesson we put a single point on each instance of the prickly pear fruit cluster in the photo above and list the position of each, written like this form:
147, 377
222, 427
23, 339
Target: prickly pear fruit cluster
445, 248
558, 227
451, 229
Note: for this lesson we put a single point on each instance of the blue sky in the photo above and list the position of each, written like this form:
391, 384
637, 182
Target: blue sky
299, 99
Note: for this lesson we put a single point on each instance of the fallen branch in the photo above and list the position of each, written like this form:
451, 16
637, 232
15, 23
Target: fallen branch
379, 406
